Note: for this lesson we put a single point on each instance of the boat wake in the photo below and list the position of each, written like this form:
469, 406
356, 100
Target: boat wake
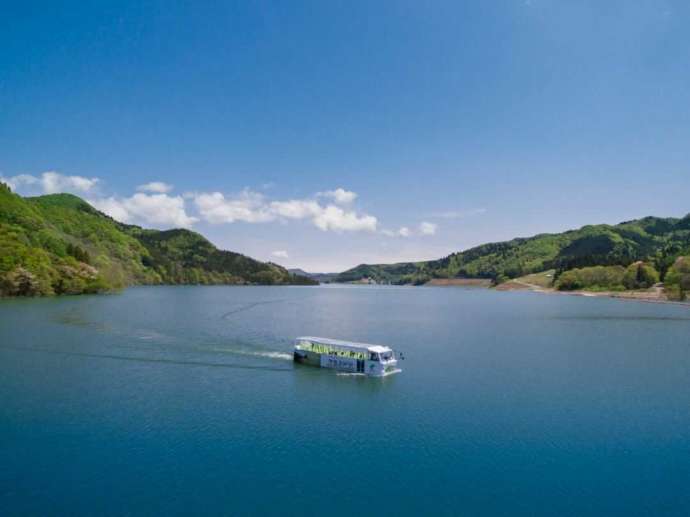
213, 349
167, 343
270, 354
249, 306
146, 359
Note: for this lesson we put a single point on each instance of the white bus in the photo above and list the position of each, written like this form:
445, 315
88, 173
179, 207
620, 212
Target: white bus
374, 360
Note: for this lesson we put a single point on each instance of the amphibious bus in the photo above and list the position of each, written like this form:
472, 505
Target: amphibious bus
348, 356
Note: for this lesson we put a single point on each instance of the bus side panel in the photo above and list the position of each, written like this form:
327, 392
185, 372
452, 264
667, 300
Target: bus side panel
347, 364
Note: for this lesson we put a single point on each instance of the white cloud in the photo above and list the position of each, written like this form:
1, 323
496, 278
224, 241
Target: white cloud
335, 218
53, 182
18, 182
115, 208
252, 207
426, 228
403, 231
248, 207
329, 217
155, 186
159, 210
296, 208
339, 195
50, 182
280, 254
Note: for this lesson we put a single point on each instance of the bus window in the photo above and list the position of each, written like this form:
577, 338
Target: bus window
374, 356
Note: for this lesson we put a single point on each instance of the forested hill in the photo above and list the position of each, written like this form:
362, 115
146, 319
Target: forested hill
656, 241
59, 244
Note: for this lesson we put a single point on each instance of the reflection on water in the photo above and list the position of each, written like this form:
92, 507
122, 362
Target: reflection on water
78, 318
622, 318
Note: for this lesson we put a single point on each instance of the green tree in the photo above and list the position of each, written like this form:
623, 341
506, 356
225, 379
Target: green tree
21, 282
677, 281
596, 278
640, 276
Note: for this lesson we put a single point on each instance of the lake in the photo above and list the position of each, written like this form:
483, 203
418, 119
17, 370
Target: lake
185, 400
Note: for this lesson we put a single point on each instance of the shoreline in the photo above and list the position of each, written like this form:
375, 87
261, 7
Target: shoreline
458, 282
652, 296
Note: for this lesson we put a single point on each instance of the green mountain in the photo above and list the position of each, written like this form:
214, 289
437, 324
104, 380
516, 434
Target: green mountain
59, 244
653, 240
322, 278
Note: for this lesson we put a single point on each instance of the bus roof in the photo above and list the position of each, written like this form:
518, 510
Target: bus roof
350, 345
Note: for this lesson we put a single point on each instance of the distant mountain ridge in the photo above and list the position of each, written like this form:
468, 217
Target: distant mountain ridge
658, 241
323, 278
59, 244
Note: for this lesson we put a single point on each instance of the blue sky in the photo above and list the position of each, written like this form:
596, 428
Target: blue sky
443, 124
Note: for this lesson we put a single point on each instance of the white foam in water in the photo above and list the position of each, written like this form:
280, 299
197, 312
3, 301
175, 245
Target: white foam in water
275, 355
149, 335
270, 354
358, 374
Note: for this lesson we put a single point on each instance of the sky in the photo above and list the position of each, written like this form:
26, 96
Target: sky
322, 135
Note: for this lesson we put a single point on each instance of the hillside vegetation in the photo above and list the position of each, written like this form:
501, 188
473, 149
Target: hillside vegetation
655, 242
677, 281
59, 244
609, 278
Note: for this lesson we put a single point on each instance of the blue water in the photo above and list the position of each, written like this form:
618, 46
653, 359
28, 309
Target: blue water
184, 400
